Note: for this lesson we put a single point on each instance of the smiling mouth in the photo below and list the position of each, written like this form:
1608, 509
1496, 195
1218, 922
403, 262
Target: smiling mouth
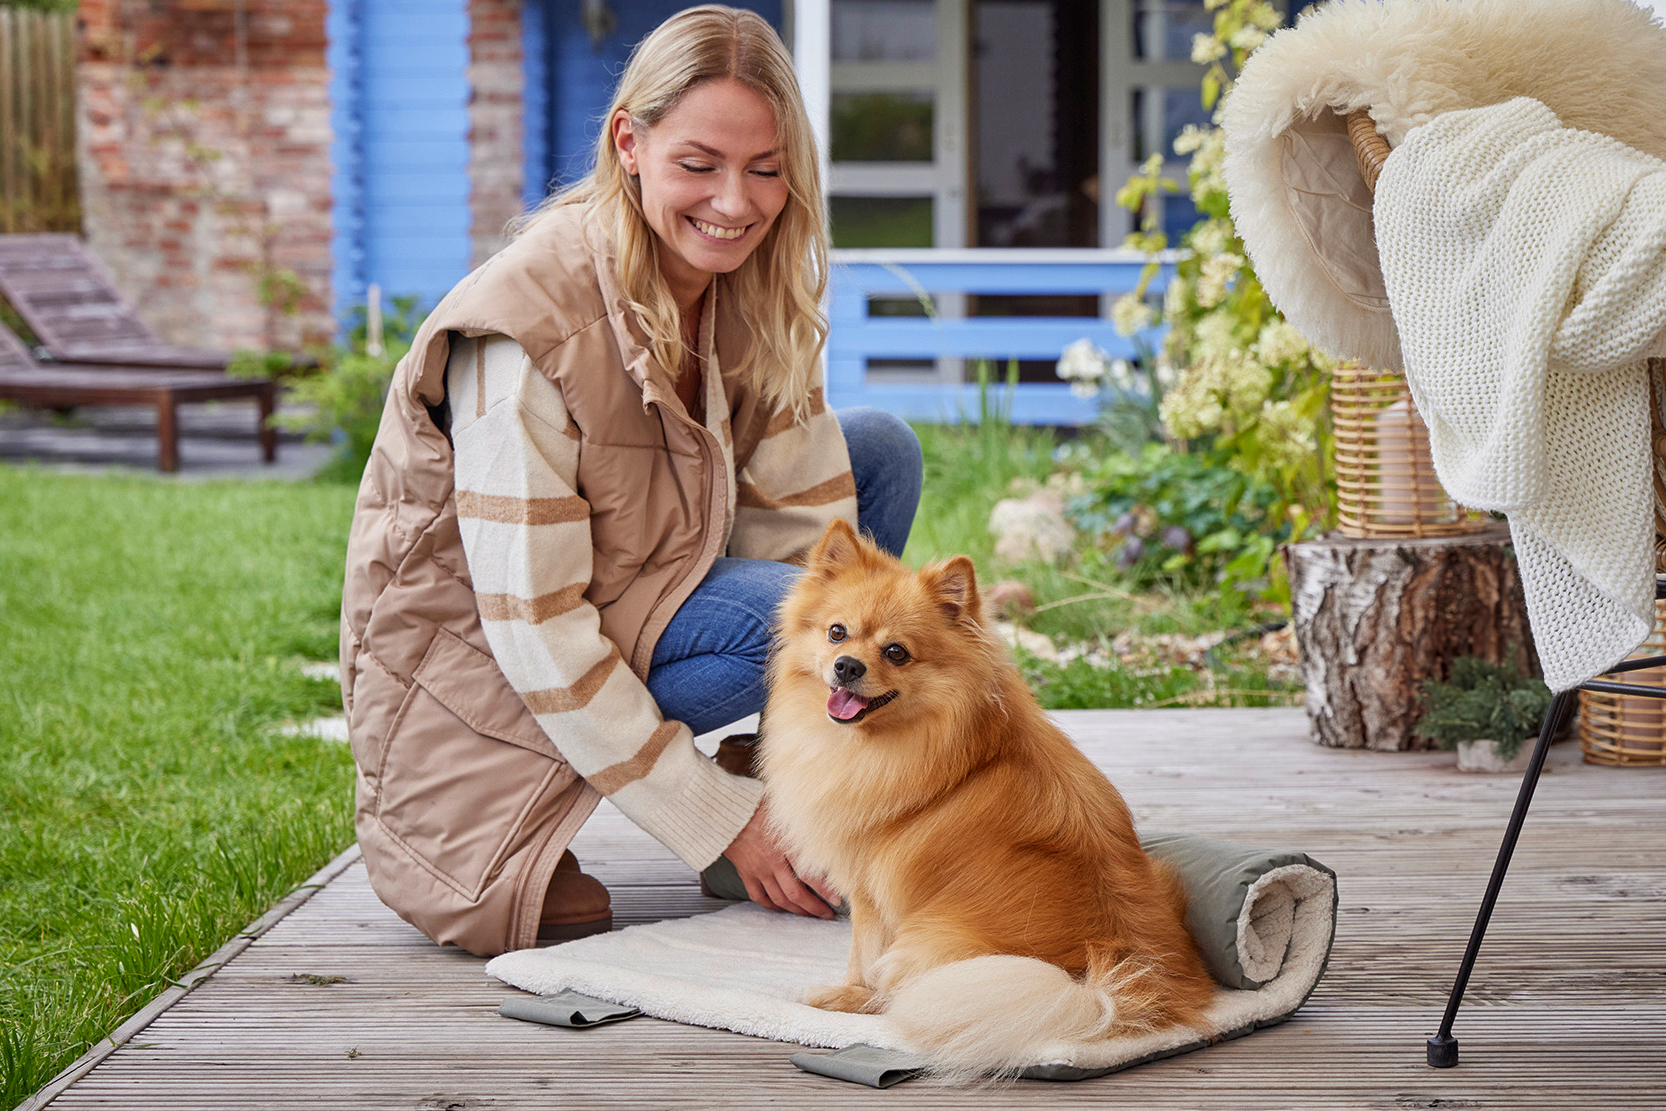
717, 232
847, 707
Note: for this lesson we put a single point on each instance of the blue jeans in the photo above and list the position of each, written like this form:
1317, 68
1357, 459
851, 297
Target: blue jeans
709, 666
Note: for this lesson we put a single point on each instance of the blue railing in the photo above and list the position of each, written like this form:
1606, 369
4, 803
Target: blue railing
943, 277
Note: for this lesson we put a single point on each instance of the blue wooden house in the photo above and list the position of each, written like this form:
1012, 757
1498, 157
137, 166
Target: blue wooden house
972, 150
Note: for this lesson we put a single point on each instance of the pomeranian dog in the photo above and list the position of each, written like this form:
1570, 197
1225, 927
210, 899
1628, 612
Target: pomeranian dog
999, 900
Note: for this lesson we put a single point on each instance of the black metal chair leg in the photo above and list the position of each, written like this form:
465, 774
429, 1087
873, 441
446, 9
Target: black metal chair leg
1443, 1047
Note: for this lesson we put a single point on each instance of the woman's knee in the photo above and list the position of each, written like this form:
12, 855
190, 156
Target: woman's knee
876, 435
889, 469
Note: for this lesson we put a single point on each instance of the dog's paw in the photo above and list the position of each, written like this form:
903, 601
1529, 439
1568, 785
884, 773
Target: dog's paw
855, 998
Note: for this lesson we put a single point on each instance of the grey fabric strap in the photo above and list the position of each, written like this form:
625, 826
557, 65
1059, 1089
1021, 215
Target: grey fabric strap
862, 1064
723, 881
567, 1008
881, 1068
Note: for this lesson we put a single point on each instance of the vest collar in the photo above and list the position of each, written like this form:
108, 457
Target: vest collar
658, 383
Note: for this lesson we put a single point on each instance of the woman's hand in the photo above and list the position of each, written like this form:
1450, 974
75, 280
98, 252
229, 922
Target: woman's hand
769, 875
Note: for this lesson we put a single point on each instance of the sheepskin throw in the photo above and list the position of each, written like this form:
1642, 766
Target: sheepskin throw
1526, 266
1298, 201
1509, 263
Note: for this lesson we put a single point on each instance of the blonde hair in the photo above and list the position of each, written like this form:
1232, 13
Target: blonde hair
778, 289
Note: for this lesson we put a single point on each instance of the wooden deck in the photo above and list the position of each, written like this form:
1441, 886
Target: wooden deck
1567, 1007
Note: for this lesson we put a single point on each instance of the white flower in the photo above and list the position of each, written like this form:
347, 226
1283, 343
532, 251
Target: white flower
1190, 138
1207, 48
1211, 237
1248, 38
1121, 375
1217, 275
1083, 364
1165, 375
1083, 388
1279, 342
1131, 313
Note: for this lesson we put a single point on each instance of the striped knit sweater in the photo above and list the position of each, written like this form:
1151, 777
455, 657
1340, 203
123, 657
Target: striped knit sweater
515, 444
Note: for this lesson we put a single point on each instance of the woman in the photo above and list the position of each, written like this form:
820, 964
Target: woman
595, 467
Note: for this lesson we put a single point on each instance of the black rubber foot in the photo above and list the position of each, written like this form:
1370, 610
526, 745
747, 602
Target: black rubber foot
1443, 1052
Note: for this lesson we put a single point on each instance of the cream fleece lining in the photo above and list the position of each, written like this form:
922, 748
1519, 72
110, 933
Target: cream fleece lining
744, 969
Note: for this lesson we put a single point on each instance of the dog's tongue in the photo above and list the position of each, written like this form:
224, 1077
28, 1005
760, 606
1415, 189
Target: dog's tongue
845, 705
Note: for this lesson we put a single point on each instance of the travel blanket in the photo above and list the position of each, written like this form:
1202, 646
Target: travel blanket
1264, 921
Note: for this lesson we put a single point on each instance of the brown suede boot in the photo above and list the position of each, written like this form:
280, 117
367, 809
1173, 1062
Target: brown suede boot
576, 905
736, 753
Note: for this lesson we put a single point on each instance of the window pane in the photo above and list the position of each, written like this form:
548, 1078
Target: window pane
1182, 107
882, 127
1036, 68
888, 305
1178, 107
881, 221
1179, 214
1163, 29
884, 30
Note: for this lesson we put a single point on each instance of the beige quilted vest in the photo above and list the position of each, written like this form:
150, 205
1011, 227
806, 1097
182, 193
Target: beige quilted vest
463, 804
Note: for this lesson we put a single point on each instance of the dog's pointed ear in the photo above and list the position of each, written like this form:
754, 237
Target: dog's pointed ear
955, 586
838, 547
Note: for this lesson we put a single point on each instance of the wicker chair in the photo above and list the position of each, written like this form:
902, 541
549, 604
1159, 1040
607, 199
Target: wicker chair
1370, 151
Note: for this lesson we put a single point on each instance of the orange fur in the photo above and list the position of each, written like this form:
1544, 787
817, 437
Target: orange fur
960, 822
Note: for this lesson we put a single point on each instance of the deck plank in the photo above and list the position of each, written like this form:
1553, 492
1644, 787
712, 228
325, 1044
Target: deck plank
1567, 1007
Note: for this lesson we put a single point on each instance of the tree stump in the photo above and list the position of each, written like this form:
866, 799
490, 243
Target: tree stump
1374, 618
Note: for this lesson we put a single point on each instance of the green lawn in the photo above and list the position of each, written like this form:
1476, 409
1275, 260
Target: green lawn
149, 808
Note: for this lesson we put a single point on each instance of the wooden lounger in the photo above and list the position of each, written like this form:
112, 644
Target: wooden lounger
65, 295
61, 385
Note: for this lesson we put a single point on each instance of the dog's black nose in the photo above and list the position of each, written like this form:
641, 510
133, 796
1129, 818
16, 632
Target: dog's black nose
849, 669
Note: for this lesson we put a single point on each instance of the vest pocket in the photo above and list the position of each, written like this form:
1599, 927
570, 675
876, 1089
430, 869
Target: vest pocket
461, 769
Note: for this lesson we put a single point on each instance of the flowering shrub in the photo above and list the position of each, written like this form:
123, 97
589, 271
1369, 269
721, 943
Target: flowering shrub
1247, 388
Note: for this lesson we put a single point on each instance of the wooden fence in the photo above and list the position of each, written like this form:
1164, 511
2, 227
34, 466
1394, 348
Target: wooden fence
37, 121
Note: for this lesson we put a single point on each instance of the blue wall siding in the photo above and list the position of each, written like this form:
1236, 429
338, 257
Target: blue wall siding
572, 84
399, 105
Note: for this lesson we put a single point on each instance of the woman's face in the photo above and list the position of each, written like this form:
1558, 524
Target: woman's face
711, 180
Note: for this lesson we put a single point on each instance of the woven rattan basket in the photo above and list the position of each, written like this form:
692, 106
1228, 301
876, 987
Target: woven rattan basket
1628, 729
1385, 481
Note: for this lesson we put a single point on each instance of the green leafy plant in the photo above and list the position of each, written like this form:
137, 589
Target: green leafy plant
1483, 701
1246, 386
341, 400
1191, 516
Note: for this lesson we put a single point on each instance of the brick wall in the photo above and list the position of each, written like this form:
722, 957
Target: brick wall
203, 134
495, 124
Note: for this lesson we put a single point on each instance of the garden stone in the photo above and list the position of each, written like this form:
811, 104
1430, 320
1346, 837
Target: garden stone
1009, 598
324, 729
1031, 528
1482, 756
1037, 645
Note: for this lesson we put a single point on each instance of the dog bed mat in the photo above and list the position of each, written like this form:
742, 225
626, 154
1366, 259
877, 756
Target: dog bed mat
1264, 921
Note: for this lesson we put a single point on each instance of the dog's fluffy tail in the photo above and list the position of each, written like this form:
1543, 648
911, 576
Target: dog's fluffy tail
996, 1015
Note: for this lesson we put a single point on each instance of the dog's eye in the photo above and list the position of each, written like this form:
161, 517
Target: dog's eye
896, 653
836, 633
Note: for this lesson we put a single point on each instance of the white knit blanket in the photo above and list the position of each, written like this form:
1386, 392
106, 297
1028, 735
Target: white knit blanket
1526, 269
